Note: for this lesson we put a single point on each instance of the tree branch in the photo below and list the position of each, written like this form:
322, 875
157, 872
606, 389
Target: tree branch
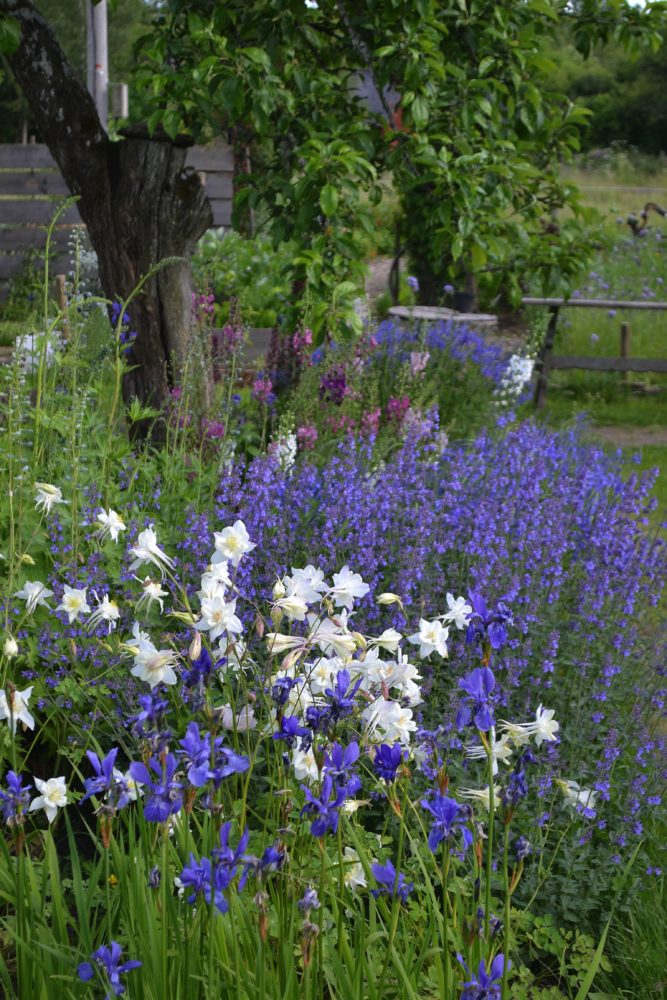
63, 109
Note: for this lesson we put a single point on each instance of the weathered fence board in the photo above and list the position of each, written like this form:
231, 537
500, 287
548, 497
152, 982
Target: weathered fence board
547, 361
23, 212
610, 364
29, 175
33, 182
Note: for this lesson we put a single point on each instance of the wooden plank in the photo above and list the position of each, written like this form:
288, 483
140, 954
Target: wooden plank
11, 264
26, 155
26, 182
610, 364
217, 156
22, 239
31, 211
595, 303
219, 185
222, 211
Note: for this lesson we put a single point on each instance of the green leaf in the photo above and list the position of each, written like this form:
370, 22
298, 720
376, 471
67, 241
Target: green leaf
10, 35
329, 200
420, 111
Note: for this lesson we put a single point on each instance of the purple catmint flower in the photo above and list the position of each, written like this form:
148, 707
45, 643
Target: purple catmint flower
166, 795
478, 688
106, 961
390, 882
450, 819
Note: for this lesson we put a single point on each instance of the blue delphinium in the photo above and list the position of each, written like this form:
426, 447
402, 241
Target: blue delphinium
390, 882
107, 961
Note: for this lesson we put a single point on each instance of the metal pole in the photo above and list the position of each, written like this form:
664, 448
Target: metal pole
98, 57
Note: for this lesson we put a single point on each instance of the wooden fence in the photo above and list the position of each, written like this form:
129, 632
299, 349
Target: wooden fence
31, 187
547, 361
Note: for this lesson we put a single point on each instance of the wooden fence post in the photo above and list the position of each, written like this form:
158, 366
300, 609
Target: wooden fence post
625, 347
543, 363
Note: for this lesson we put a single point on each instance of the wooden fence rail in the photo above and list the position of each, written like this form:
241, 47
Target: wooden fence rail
31, 187
547, 361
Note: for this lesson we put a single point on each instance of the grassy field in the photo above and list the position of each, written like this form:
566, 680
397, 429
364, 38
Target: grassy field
631, 411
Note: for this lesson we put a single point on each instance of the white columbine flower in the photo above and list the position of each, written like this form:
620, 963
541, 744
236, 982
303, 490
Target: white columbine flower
353, 872
481, 795
18, 710
217, 617
394, 721
500, 750
346, 587
389, 640
292, 603
305, 765
53, 797
152, 593
459, 611
148, 550
106, 611
544, 728
74, 603
309, 582
155, 666
34, 593
242, 722
110, 525
232, 544
47, 496
431, 638
389, 598
279, 643
576, 795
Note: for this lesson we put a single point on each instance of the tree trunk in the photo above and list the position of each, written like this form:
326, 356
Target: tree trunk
139, 203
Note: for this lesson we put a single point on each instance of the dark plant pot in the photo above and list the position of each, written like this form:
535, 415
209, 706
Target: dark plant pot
463, 302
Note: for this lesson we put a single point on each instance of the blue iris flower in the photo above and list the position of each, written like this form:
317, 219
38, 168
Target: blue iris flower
107, 959
478, 687
485, 985
450, 819
166, 795
390, 882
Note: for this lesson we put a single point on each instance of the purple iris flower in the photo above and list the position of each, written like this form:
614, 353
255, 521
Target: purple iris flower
166, 794
485, 985
388, 759
196, 755
281, 689
390, 882
108, 960
450, 818
325, 808
488, 625
149, 724
104, 778
341, 696
200, 670
290, 730
231, 857
478, 686
213, 876
340, 763
15, 801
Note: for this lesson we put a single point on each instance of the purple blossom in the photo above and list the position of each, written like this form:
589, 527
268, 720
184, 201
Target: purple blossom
166, 795
324, 807
485, 985
390, 882
106, 960
15, 800
478, 687
387, 760
450, 819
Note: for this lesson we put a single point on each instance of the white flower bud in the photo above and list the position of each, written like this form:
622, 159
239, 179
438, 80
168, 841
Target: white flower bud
389, 598
194, 652
11, 647
278, 590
